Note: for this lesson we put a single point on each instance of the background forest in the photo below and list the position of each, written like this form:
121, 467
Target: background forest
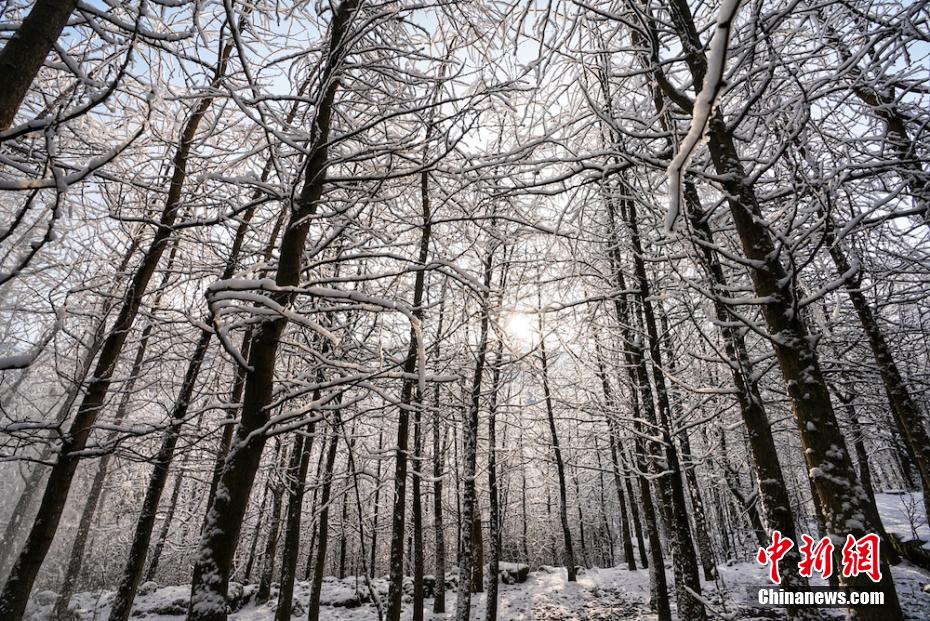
350, 307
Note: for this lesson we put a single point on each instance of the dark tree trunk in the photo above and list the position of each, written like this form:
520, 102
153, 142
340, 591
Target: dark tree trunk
569, 552
313, 606
687, 581
773, 493
314, 505
636, 368
470, 509
25, 52
834, 477
343, 537
618, 483
476, 582
439, 531
76, 560
688, 467
373, 565
634, 507
865, 475
297, 478
906, 413
224, 517
271, 539
19, 584
411, 398
840, 493
494, 526
166, 524
135, 563
608, 559
256, 533
581, 535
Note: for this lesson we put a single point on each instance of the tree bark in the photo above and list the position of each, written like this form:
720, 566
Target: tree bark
831, 469
687, 582
224, 521
313, 606
494, 526
271, 540
906, 413
297, 478
376, 508
636, 368
569, 552
618, 483
76, 560
467, 553
155, 557
410, 398
25, 52
22, 577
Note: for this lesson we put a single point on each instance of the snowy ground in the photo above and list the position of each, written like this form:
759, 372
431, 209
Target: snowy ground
903, 515
599, 594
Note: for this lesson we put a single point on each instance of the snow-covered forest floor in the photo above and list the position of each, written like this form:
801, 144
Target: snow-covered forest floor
610, 594
598, 595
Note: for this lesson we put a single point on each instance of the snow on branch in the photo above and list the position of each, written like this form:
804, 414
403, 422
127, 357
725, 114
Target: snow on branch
714, 84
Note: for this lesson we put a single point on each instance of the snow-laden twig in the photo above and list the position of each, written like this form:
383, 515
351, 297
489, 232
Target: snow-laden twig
714, 84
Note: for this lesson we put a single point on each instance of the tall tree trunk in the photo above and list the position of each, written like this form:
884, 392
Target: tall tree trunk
581, 535
834, 476
470, 509
773, 493
135, 564
224, 521
256, 533
418, 592
343, 537
296, 480
411, 398
636, 368
687, 582
607, 559
865, 474
476, 579
910, 421
314, 505
76, 559
624, 518
25, 52
31, 495
439, 531
634, 510
494, 527
688, 467
373, 565
569, 552
316, 586
158, 548
618, 483
19, 584
271, 539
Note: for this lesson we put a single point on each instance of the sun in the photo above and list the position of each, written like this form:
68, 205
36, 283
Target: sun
520, 327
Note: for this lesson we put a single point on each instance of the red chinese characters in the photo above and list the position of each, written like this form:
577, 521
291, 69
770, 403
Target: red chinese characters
859, 556
774, 553
817, 557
